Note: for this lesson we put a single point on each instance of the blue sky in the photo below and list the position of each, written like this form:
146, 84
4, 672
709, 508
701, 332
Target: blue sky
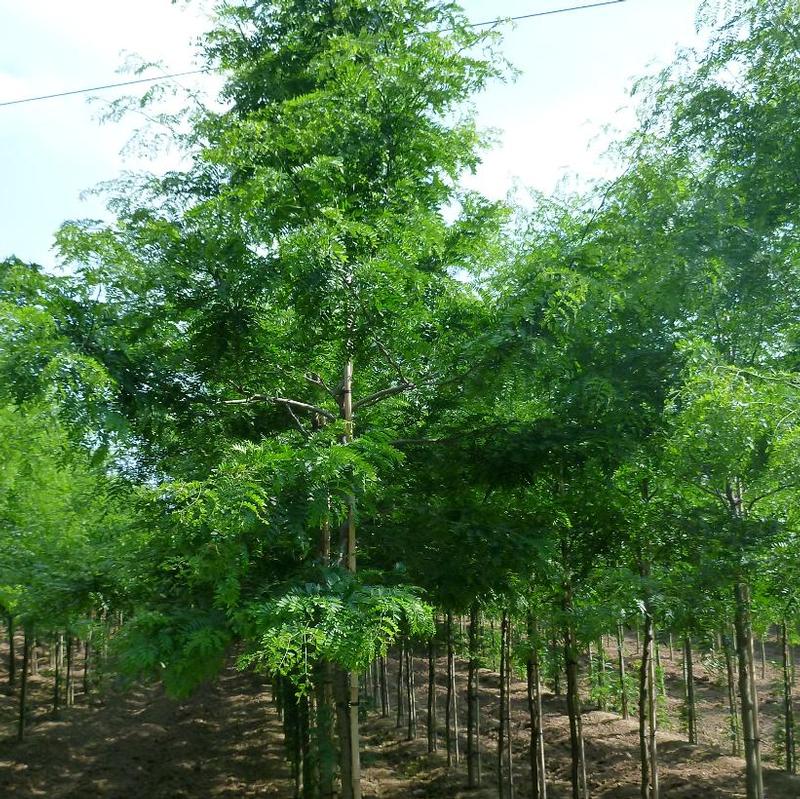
576, 70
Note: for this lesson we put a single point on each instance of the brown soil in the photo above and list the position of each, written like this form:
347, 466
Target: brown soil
225, 741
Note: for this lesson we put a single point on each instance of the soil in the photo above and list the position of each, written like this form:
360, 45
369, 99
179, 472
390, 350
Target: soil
226, 741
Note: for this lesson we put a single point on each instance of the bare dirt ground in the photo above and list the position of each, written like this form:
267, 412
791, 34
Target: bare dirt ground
225, 741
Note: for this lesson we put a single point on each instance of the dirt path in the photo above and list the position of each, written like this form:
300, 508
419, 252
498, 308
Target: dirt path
225, 741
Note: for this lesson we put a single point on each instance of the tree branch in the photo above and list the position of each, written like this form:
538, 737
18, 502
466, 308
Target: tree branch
774, 491
289, 403
382, 394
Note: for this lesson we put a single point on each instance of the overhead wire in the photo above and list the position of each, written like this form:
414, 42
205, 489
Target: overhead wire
170, 76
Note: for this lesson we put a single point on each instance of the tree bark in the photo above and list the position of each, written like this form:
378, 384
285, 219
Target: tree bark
788, 709
733, 705
57, 681
621, 672
401, 658
12, 653
691, 707
448, 707
23, 690
351, 772
538, 773
652, 708
432, 737
505, 765
326, 750
473, 727
384, 682
747, 691
644, 752
411, 695
578, 758
69, 690
451, 712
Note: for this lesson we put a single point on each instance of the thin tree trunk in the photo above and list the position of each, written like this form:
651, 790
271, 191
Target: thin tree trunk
509, 736
788, 709
473, 734
351, 772
342, 692
501, 734
555, 657
411, 693
23, 689
374, 677
621, 672
505, 764
448, 710
763, 651
747, 691
691, 707
432, 737
644, 673
12, 654
69, 690
578, 766
733, 705
652, 706
87, 650
401, 657
326, 750
538, 773
452, 697
57, 682
384, 681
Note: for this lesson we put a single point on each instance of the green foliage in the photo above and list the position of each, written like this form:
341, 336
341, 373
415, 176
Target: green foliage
344, 622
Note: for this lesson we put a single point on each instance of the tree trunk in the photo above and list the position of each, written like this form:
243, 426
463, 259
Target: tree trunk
538, 773
432, 737
555, 658
747, 692
733, 705
788, 709
580, 788
23, 690
509, 733
501, 713
87, 651
451, 719
652, 707
411, 693
401, 659
691, 707
644, 750
57, 682
473, 726
351, 772
69, 690
12, 654
763, 651
384, 680
621, 672
326, 750
505, 765
448, 708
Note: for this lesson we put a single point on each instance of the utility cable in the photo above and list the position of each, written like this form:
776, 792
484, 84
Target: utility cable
157, 78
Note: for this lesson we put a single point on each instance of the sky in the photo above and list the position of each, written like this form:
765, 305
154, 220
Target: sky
553, 121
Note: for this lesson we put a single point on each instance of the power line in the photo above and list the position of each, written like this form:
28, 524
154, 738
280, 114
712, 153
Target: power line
153, 79
157, 78
550, 13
